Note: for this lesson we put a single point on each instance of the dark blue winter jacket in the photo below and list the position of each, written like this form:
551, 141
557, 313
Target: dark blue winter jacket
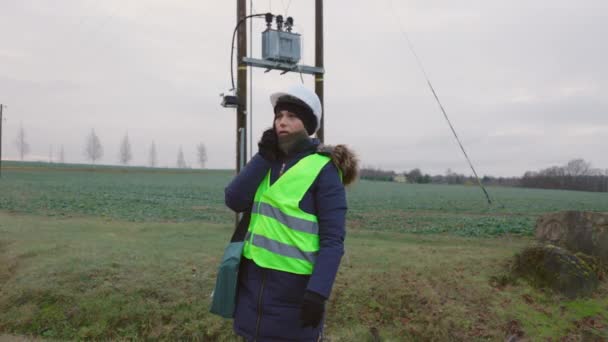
269, 301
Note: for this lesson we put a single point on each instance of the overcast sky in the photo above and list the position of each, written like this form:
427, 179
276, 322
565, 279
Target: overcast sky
525, 83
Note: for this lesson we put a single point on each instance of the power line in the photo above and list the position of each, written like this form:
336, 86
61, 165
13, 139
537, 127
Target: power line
241, 21
288, 5
428, 81
286, 9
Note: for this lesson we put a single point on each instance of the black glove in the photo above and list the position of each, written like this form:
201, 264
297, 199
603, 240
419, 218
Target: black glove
313, 306
268, 146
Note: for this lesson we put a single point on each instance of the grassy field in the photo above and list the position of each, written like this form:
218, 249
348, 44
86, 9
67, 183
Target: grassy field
131, 253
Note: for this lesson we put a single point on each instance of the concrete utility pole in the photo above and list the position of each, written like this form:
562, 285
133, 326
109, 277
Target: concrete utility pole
241, 88
319, 63
1, 106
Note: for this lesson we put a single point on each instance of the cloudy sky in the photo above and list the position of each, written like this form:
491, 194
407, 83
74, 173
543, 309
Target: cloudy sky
525, 83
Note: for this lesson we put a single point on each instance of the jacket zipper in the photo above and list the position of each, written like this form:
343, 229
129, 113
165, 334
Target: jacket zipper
282, 170
257, 324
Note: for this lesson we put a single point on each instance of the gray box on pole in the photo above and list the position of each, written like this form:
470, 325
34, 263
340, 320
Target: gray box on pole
281, 46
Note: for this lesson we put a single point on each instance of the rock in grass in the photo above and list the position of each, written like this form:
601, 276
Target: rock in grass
549, 266
577, 231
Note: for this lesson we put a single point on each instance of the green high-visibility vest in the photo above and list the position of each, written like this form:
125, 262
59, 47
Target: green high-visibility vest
281, 236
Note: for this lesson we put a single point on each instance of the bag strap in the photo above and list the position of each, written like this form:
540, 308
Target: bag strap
242, 227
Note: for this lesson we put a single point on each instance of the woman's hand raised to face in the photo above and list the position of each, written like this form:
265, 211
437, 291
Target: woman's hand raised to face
268, 146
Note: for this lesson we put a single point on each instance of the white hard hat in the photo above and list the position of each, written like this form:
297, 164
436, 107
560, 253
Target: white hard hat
303, 94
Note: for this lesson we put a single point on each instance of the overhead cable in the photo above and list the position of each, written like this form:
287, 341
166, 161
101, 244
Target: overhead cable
428, 81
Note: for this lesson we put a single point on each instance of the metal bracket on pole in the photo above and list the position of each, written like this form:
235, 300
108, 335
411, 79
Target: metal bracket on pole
286, 67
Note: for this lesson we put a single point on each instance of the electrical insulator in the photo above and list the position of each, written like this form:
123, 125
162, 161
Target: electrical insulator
279, 22
289, 24
269, 17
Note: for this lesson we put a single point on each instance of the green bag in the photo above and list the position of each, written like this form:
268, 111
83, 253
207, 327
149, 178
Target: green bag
223, 302
224, 295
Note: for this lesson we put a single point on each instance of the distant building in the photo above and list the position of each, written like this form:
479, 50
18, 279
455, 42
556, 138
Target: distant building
400, 178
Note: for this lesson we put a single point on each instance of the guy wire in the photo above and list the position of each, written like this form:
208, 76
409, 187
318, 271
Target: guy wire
445, 115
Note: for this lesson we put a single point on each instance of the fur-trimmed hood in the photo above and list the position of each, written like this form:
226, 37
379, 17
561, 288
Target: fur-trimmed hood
344, 159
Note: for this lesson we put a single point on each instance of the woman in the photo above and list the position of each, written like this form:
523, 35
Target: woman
293, 190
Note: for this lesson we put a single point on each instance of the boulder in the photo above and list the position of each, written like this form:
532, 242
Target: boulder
549, 266
577, 231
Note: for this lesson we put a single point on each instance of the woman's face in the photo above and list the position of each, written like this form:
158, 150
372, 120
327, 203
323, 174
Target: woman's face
286, 123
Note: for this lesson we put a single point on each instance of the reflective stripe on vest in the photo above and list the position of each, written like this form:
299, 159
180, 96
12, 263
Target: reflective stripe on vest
281, 248
281, 236
289, 221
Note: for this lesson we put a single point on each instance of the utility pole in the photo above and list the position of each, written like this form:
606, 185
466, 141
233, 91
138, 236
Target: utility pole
319, 63
271, 61
241, 92
241, 88
1, 106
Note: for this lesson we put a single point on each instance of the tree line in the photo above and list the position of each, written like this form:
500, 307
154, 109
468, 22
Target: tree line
577, 174
414, 176
94, 151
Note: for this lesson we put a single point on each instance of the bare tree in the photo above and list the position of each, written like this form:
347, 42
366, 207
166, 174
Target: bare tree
152, 155
22, 146
452, 177
201, 154
377, 174
125, 150
414, 176
577, 174
577, 167
181, 162
93, 150
61, 155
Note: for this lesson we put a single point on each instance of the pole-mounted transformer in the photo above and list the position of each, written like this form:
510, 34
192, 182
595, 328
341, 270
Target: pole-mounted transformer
281, 50
280, 45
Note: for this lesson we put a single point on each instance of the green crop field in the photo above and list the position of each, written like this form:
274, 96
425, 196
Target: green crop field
130, 253
140, 194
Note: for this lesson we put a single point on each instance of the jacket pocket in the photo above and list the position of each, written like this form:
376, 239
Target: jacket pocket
286, 289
